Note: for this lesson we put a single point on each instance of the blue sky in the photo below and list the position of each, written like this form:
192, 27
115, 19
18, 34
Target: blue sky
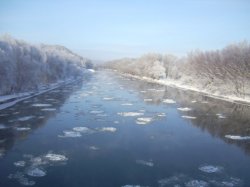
107, 29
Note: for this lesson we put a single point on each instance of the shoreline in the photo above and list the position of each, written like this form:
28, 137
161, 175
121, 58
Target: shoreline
232, 99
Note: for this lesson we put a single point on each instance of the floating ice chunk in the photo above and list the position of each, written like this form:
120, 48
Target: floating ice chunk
126, 104
128, 185
55, 157
2, 126
169, 101
194, 101
145, 163
237, 137
48, 109
23, 128
189, 117
143, 121
83, 129
211, 169
41, 105
108, 129
221, 116
196, 183
96, 112
37, 161
161, 114
204, 102
20, 163
91, 70
147, 100
184, 109
108, 98
143, 91
36, 172
130, 114
94, 148
21, 179
70, 134
26, 118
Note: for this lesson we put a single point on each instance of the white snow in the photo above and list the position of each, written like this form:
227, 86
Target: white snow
55, 157
48, 109
130, 114
70, 134
25, 118
20, 163
83, 130
189, 117
23, 128
108, 98
237, 137
169, 101
41, 105
145, 163
211, 169
96, 112
196, 183
126, 104
36, 172
143, 121
108, 129
184, 109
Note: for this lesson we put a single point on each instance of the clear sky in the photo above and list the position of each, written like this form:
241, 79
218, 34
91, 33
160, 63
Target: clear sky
107, 29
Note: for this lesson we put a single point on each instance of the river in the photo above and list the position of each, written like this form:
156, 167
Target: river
111, 131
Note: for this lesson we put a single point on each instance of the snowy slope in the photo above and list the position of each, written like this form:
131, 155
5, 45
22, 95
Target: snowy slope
26, 67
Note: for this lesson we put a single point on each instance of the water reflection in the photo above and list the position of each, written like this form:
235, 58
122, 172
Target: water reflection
219, 118
18, 121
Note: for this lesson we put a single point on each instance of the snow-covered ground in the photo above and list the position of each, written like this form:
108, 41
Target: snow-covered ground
180, 85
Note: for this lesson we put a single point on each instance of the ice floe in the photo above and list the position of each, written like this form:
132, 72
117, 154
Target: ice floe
55, 157
169, 101
196, 183
148, 100
108, 129
126, 104
41, 105
221, 116
23, 128
36, 172
129, 185
94, 148
22, 179
162, 114
237, 137
25, 118
143, 121
184, 109
145, 163
83, 130
211, 169
108, 98
189, 117
70, 134
130, 114
48, 109
96, 112
20, 163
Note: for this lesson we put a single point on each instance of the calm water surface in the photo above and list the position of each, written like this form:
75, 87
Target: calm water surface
113, 131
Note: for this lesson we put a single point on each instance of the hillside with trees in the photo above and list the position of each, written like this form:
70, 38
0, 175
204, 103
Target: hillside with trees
25, 67
223, 73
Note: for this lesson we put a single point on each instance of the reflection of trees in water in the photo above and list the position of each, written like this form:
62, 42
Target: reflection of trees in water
56, 98
236, 121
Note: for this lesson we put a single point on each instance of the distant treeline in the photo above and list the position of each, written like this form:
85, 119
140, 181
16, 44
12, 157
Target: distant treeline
26, 67
223, 72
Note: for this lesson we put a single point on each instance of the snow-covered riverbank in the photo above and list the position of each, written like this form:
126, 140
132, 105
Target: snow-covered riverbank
180, 85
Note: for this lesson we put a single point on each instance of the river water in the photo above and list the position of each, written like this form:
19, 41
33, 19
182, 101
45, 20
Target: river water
111, 131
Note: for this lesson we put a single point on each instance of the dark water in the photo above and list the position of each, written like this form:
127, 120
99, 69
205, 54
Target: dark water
40, 146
